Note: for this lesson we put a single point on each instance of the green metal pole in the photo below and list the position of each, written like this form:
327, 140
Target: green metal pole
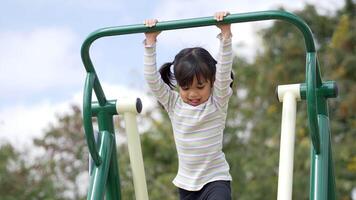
113, 183
100, 173
322, 161
331, 179
312, 174
113, 190
196, 22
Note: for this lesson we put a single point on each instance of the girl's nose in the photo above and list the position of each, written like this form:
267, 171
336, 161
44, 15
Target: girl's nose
193, 94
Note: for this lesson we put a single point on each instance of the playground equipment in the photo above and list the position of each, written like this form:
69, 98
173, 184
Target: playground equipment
105, 175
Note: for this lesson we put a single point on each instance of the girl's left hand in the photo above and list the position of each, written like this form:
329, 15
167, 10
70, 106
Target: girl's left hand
225, 28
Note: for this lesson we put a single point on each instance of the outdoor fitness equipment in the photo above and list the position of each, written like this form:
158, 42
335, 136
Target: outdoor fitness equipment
105, 174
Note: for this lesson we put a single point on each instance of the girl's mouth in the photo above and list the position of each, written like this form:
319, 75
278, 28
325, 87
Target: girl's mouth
194, 102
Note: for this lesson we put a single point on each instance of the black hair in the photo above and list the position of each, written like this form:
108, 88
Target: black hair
189, 63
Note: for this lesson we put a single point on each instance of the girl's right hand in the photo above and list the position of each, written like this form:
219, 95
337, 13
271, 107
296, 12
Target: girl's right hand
225, 28
151, 37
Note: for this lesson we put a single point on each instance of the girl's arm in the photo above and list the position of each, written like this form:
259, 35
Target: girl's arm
160, 90
222, 90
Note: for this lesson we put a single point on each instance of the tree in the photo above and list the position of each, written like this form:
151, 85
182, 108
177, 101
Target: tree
66, 154
21, 179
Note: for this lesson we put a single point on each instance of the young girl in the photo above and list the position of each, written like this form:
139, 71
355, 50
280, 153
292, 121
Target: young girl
197, 112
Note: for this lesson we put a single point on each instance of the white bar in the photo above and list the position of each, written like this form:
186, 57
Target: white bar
127, 106
136, 160
288, 94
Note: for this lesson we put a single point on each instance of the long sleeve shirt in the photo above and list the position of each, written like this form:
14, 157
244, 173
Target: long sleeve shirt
198, 130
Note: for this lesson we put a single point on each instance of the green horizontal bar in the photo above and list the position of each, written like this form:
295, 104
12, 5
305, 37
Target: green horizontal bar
109, 107
196, 22
328, 89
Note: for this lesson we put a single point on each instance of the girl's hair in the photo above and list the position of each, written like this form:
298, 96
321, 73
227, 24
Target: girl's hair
189, 63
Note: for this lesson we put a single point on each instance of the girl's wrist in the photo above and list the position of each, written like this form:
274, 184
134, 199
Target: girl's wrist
226, 34
150, 41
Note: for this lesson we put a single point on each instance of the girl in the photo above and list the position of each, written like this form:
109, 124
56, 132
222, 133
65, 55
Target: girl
197, 111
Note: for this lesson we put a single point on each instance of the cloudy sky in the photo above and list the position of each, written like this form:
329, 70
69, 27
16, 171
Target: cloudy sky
41, 73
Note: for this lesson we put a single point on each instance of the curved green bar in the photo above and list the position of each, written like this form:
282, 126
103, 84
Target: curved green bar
312, 100
196, 22
87, 121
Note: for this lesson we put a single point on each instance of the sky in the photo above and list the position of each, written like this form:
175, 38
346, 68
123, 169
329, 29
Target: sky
41, 73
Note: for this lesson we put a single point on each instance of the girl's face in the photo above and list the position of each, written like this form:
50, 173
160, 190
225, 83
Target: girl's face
197, 93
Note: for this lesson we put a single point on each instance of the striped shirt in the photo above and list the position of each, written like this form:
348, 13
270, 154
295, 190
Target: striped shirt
198, 130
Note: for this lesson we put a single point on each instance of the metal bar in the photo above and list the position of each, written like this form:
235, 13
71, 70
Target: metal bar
87, 121
129, 107
196, 22
100, 173
136, 160
113, 190
321, 162
327, 188
288, 94
113, 182
109, 107
311, 101
97, 137
312, 174
331, 176
328, 89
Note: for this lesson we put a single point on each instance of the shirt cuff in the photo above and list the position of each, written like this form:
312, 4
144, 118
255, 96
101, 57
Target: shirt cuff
148, 45
220, 37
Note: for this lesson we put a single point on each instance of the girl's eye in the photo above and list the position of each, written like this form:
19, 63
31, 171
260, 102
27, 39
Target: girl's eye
184, 88
201, 87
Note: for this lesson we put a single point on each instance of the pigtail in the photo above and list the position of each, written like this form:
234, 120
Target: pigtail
166, 74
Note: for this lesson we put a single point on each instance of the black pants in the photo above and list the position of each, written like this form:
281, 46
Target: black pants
216, 190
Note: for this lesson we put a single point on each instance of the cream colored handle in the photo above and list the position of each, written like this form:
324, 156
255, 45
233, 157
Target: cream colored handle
288, 94
129, 107
136, 158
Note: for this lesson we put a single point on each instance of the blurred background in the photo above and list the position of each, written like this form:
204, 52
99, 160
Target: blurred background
43, 153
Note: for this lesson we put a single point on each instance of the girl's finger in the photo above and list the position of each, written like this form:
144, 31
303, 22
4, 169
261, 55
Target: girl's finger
150, 22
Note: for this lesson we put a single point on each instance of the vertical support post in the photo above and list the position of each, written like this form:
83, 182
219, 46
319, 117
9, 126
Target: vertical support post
323, 181
113, 190
130, 107
331, 177
288, 94
100, 173
320, 162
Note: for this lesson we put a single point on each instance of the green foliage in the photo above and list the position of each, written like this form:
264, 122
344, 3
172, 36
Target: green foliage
21, 181
53, 174
67, 153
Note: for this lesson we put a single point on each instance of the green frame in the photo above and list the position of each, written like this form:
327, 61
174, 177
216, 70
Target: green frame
104, 178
